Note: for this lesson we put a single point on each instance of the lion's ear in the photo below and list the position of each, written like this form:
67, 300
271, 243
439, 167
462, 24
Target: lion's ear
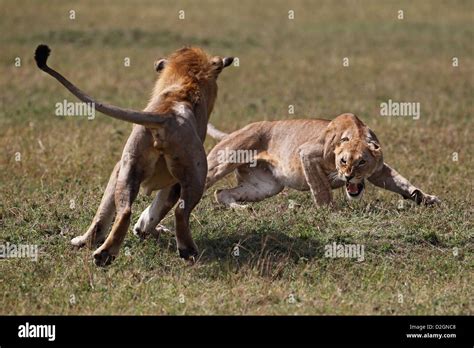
375, 149
374, 144
226, 61
160, 64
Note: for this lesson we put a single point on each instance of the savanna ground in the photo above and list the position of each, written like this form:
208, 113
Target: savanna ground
417, 260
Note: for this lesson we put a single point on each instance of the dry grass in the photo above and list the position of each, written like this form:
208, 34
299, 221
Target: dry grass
409, 251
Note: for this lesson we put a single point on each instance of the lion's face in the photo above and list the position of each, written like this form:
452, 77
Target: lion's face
356, 160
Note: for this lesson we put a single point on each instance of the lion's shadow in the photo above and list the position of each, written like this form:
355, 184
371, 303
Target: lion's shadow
251, 248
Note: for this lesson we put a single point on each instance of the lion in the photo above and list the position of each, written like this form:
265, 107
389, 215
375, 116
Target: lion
309, 154
164, 151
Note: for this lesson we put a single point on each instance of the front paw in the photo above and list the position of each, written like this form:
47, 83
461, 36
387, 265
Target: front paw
139, 231
431, 200
143, 233
142, 230
421, 197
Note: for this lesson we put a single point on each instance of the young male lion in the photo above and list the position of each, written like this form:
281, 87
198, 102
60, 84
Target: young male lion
164, 151
314, 154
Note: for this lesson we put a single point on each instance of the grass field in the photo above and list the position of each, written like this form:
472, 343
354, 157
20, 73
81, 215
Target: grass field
54, 169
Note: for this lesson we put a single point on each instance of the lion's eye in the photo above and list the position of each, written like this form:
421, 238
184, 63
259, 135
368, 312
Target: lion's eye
362, 162
343, 161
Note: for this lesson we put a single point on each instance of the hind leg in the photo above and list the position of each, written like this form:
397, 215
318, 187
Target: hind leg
156, 211
97, 231
217, 168
254, 184
126, 190
219, 160
191, 174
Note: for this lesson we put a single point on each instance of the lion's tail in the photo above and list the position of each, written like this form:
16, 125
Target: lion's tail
146, 119
215, 133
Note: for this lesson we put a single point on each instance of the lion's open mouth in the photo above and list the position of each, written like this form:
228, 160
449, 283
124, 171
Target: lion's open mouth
355, 190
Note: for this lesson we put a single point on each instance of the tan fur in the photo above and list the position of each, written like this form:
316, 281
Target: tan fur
316, 155
164, 151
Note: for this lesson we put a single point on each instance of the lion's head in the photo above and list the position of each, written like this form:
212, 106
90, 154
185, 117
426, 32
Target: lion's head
189, 74
356, 150
355, 161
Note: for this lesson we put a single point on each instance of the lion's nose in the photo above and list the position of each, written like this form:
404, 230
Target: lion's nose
348, 177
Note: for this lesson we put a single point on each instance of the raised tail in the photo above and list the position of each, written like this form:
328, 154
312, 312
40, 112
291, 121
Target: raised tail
148, 119
215, 133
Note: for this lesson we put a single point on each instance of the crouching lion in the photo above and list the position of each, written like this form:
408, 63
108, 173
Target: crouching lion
313, 154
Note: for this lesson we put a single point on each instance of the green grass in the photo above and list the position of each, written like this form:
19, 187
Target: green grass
409, 251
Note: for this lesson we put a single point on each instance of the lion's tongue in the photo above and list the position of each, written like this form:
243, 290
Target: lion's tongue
352, 188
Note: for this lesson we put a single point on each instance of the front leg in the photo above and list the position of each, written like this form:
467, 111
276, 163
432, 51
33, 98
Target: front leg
389, 179
317, 180
165, 199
